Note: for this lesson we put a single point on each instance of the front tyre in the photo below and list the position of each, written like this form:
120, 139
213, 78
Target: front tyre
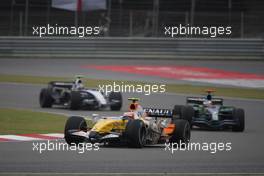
239, 116
74, 123
136, 133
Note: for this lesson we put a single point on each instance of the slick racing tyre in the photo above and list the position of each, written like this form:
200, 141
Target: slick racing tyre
136, 133
74, 123
75, 100
177, 112
187, 113
115, 99
183, 112
45, 99
182, 132
239, 116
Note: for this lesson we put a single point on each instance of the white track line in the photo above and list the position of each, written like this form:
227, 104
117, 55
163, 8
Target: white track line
58, 135
28, 138
18, 138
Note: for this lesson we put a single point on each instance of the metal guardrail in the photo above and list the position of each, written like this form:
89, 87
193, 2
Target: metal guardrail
153, 48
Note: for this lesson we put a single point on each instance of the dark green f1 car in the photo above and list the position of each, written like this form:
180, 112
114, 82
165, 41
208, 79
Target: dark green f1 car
210, 113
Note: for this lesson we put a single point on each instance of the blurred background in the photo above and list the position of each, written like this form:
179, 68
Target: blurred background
135, 18
133, 28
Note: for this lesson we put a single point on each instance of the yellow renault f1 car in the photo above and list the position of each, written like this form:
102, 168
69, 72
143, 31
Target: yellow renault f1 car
136, 128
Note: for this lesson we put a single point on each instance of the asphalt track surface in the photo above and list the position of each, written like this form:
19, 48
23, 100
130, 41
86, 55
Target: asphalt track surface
246, 155
71, 67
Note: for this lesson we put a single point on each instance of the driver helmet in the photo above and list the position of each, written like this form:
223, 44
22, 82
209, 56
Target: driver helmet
208, 103
79, 84
209, 97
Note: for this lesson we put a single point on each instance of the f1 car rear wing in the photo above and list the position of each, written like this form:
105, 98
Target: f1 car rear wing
60, 84
153, 112
200, 100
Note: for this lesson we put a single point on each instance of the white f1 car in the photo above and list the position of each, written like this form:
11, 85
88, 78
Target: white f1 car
74, 95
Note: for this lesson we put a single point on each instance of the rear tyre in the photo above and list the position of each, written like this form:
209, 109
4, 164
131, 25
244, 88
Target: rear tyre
45, 99
182, 132
239, 115
177, 112
115, 99
187, 113
74, 123
183, 112
136, 133
75, 100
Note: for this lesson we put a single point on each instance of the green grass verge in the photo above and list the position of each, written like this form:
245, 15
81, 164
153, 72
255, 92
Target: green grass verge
16, 121
174, 88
